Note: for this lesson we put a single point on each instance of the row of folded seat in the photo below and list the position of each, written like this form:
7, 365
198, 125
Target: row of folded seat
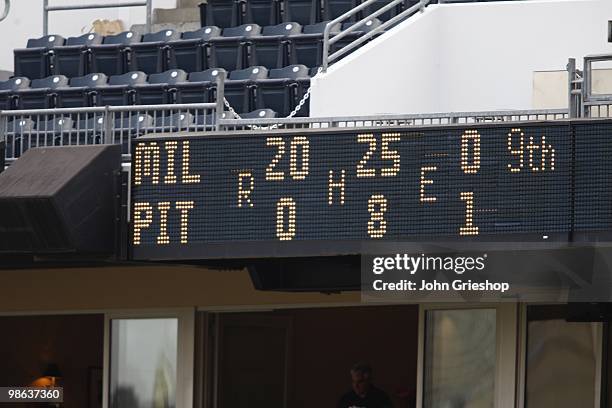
246, 89
232, 13
209, 47
23, 133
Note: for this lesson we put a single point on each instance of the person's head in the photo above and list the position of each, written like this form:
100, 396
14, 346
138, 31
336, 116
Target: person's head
361, 376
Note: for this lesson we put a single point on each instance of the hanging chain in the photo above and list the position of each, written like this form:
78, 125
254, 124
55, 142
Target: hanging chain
276, 125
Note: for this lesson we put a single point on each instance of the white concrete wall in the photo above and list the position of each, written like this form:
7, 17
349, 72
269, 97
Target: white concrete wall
26, 16
463, 57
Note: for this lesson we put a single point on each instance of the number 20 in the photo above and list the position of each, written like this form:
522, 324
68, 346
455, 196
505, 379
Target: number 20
295, 172
385, 154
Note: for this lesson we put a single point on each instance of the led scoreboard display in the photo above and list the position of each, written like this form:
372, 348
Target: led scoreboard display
325, 192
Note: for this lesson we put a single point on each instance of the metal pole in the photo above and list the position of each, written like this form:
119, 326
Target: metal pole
149, 16
220, 108
45, 17
571, 76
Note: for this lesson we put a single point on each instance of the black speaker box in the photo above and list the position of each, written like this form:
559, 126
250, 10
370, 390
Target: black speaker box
59, 200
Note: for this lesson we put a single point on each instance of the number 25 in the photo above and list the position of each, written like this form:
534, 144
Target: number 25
385, 154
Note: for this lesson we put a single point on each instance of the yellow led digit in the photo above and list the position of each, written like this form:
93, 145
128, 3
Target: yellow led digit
279, 143
163, 237
474, 137
468, 228
335, 184
170, 177
143, 215
302, 143
518, 152
184, 207
547, 151
285, 232
188, 178
387, 154
377, 225
371, 140
425, 181
146, 162
245, 178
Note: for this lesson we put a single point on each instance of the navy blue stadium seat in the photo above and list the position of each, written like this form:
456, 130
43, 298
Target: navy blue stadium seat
160, 88
335, 8
111, 57
259, 114
34, 61
177, 122
303, 12
240, 87
151, 54
221, 13
307, 48
263, 12
120, 89
9, 96
271, 49
81, 92
16, 132
128, 127
73, 58
190, 53
353, 35
283, 89
51, 132
90, 130
200, 88
230, 51
42, 93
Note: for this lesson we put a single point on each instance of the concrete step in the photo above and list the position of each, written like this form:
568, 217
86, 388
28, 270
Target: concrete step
140, 28
180, 15
188, 3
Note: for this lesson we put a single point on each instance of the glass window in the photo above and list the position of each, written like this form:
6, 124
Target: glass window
143, 363
460, 355
561, 364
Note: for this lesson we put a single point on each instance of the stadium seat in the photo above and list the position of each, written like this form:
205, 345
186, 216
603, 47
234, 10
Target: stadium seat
190, 53
120, 89
283, 89
34, 61
9, 96
42, 93
307, 48
263, 12
303, 12
177, 122
73, 58
159, 88
352, 36
221, 13
240, 87
230, 51
259, 114
200, 88
335, 8
129, 126
81, 92
151, 54
111, 57
271, 49
90, 130
15, 132
387, 14
51, 132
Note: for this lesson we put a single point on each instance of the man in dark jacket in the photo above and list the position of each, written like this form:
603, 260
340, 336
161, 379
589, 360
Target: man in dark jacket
363, 394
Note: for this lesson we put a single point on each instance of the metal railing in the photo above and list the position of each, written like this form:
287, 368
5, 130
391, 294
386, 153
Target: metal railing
141, 3
583, 102
328, 42
24, 129
432, 119
7, 9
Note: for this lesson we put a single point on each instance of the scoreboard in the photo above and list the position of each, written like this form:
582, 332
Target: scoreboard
326, 192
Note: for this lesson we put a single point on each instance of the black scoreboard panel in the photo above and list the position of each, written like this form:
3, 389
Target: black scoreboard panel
317, 192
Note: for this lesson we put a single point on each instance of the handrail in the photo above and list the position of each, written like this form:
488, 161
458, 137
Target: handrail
327, 42
141, 3
7, 8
